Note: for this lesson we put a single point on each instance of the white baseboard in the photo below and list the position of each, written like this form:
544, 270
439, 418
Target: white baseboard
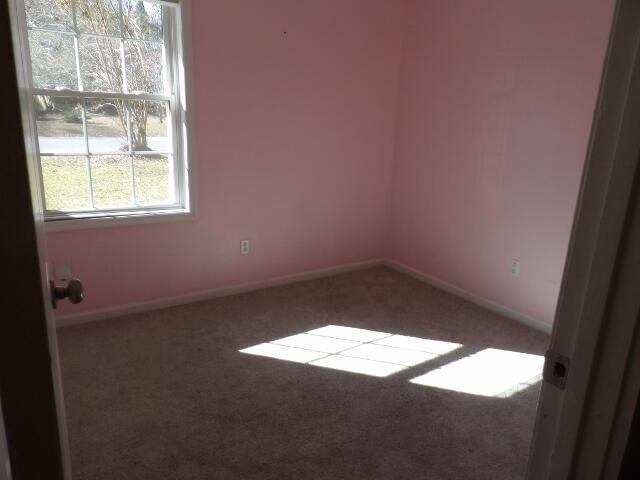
139, 307
471, 297
157, 304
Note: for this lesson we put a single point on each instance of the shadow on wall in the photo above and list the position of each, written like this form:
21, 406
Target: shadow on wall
489, 372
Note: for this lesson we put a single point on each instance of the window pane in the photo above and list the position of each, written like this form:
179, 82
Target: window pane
111, 175
142, 20
106, 126
144, 62
150, 126
101, 64
98, 16
49, 14
53, 60
59, 124
153, 175
66, 183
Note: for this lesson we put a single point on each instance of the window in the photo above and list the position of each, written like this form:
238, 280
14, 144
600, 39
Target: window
107, 106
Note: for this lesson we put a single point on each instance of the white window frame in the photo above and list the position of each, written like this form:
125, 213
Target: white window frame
177, 87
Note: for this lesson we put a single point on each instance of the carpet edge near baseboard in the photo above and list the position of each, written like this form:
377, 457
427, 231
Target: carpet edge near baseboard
99, 314
166, 302
471, 297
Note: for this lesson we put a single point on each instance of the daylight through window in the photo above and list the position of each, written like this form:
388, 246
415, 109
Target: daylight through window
106, 98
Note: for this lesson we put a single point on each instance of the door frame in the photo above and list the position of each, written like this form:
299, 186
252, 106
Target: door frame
580, 429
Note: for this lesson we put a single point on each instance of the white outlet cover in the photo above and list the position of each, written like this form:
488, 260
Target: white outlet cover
515, 267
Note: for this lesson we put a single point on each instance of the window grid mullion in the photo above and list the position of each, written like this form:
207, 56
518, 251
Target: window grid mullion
125, 86
172, 83
74, 17
135, 153
102, 95
85, 128
134, 200
87, 153
76, 45
123, 66
93, 35
132, 174
125, 79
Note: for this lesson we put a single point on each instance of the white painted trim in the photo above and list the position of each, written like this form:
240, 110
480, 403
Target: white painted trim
178, 42
575, 429
119, 220
103, 95
187, 101
471, 297
156, 304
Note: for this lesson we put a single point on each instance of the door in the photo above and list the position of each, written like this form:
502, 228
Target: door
30, 384
593, 337
4, 454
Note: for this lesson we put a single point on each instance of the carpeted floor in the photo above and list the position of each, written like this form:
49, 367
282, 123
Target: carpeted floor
167, 395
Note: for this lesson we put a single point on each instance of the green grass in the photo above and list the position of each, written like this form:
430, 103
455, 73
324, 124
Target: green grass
66, 182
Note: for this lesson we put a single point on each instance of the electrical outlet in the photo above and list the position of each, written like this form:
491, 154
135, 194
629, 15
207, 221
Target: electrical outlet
515, 267
245, 247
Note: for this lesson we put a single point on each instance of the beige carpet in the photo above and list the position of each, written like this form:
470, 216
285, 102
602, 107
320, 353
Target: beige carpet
167, 395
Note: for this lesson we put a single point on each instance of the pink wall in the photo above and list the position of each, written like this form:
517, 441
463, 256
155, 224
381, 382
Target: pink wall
493, 125
294, 149
335, 145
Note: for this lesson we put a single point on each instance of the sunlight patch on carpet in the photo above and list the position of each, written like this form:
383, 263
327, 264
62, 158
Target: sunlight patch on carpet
489, 373
355, 350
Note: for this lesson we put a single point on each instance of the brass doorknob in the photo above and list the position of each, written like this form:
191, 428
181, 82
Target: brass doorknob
73, 290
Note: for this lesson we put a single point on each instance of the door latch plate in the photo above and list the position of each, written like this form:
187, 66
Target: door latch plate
556, 369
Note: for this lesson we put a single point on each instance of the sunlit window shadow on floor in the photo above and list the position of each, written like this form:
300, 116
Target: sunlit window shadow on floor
489, 373
356, 350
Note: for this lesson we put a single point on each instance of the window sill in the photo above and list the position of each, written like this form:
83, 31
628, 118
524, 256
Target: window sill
116, 219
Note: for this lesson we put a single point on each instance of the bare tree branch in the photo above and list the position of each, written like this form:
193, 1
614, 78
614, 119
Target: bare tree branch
101, 58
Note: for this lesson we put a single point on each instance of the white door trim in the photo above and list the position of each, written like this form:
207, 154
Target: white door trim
589, 277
